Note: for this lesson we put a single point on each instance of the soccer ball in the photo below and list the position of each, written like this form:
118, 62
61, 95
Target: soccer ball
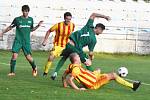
123, 71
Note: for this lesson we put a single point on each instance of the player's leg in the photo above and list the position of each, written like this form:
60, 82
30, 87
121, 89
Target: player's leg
54, 53
58, 67
84, 59
65, 54
32, 63
48, 63
15, 50
120, 80
27, 52
13, 64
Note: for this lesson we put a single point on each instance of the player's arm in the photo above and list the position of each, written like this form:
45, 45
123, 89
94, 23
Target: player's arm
13, 24
72, 84
91, 55
48, 33
5, 30
94, 15
37, 26
64, 81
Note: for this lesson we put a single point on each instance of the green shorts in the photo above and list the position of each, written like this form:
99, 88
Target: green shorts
26, 48
72, 49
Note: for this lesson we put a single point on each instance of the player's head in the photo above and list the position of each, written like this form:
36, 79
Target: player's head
99, 28
25, 10
67, 17
74, 57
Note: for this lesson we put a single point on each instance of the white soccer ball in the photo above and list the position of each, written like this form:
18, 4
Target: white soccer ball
123, 71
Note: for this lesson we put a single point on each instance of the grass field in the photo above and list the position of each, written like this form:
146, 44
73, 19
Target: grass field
25, 87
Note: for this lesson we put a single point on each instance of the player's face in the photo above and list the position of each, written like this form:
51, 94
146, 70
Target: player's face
25, 13
98, 30
67, 19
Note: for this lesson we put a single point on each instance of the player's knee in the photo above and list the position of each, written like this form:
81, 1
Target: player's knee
112, 75
29, 58
51, 58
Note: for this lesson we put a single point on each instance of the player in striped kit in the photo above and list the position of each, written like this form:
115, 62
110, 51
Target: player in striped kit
91, 80
63, 31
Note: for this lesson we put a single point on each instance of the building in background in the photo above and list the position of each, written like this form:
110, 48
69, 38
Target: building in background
128, 31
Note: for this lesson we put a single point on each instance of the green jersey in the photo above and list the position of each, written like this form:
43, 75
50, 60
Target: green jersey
85, 36
23, 28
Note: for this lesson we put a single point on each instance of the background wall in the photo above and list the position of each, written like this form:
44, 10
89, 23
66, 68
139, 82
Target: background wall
128, 31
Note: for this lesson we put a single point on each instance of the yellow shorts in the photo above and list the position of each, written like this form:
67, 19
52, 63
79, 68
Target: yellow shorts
102, 79
56, 51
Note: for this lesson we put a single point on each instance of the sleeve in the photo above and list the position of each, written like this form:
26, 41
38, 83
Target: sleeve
32, 24
53, 28
14, 23
75, 72
88, 25
92, 45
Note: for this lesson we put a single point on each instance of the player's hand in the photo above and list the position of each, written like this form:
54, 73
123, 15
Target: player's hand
82, 89
40, 23
107, 18
91, 57
64, 82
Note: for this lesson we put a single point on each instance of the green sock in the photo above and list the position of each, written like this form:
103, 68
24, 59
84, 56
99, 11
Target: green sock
60, 63
89, 68
12, 66
32, 64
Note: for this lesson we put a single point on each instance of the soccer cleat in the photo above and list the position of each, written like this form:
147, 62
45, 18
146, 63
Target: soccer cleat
11, 74
34, 72
54, 76
44, 74
136, 84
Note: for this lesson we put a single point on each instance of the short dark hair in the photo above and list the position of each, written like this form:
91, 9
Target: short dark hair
25, 8
67, 14
100, 25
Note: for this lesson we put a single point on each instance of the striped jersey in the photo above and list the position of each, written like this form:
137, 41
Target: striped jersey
82, 75
63, 32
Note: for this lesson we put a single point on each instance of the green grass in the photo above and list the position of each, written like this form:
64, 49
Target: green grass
25, 87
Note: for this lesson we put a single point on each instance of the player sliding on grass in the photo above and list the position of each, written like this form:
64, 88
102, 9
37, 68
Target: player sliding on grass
63, 31
91, 80
79, 39
24, 25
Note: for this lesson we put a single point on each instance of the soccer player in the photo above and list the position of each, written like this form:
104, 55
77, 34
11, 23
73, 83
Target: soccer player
24, 25
91, 80
63, 31
79, 39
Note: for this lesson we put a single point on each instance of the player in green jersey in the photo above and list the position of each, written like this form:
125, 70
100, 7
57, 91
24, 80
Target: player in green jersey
24, 25
79, 39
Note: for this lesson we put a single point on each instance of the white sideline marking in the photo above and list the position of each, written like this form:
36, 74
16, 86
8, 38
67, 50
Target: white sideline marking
4, 64
133, 81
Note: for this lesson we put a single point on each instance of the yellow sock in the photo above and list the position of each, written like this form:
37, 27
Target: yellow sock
123, 82
47, 66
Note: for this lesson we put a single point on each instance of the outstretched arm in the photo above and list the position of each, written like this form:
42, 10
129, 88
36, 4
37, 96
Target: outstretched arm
37, 26
94, 15
46, 37
64, 81
72, 84
5, 30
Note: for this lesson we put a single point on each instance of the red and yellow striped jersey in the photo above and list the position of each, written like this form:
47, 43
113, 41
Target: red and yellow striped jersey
63, 32
82, 75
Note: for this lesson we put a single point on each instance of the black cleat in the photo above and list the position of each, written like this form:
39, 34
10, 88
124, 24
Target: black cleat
44, 74
136, 84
